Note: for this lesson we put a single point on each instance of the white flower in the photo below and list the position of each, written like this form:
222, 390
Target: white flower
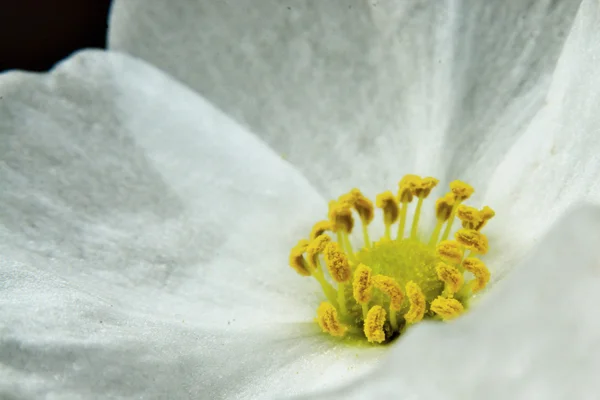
144, 235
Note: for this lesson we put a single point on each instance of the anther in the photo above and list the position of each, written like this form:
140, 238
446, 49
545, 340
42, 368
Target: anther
407, 187
340, 216
417, 303
479, 270
316, 247
473, 240
362, 287
297, 260
425, 186
337, 263
363, 206
443, 207
389, 205
450, 251
390, 287
328, 320
486, 214
319, 228
461, 190
451, 276
447, 308
470, 216
373, 327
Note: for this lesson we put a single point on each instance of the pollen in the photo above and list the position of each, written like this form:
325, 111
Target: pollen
377, 283
362, 285
374, 322
447, 308
337, 263
417, 303
328, 320
450, 251
451, 276
473, 240
479, 270
319, 228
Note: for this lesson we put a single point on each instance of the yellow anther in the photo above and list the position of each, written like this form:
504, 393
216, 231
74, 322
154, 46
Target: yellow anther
319, 228
470, 216
451, 277
443, 206
425, 186
362, 205
340, 216
447, 308
417, 303
374, 324
473, 240
337, 263
450, 251
477, 268
461, 190
297, 260
389, 204
362, 285
390, 287
316, 247
407, 187
328, 320
486, 214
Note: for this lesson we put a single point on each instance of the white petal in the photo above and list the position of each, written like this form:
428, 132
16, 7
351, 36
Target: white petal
534, 337
144, 240
557, 162
361, 93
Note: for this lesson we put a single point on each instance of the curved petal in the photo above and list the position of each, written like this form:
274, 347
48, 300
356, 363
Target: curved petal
361, 93
557, 161
530, 338
144, 237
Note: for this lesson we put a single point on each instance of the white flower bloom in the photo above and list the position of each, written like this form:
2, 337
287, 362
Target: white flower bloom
144, 235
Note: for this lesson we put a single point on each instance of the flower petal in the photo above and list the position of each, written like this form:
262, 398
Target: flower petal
530, 338
143, 244
356, 94
557, 162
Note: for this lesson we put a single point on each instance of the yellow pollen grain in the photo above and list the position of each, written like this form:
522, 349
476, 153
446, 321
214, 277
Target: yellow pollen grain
389, 204
390, 287
473, 240
479, 270
319, 228
373, 327
362, 284
297, 260
447, 308
470, 216
451, 276
417, 303
425, 186
340, 216
443, 206
316, 247
337, 263
450, 251
327, 318
461, 190
407, 187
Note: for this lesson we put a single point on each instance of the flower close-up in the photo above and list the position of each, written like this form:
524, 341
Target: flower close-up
307, 199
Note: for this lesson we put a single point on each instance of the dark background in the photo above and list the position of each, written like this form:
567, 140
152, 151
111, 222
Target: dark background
35, 34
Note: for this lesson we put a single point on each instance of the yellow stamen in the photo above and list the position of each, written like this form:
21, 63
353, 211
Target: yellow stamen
390, 287
486, 214
415, 225
461, 190
327, 318
319, 228
473, 240
316, 247
363, 206
340, 216
417, 303
389, 205
479, 270
422, 190
337, 263
450, 251
406, 191
374, 324
447, 308
297, 260
362, 287
443, 210
452, 278
470, 216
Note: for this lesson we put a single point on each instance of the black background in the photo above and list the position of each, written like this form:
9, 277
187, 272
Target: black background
35, 34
